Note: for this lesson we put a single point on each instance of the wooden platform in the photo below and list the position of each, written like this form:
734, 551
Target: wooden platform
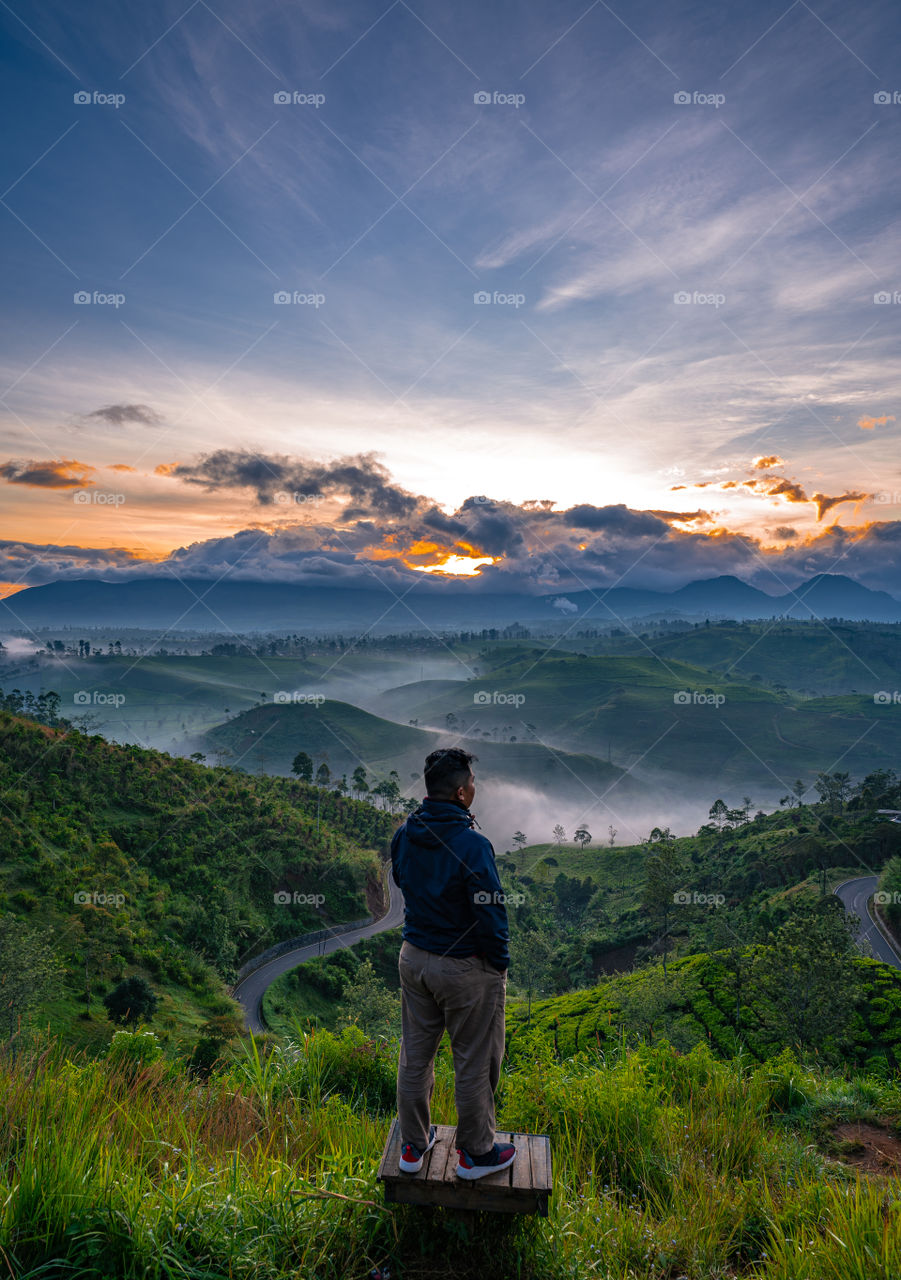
524, 1187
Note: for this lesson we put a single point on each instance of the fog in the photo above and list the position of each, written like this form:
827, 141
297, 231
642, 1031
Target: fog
502, 808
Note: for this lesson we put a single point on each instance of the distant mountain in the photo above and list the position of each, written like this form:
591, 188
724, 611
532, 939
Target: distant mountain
236, 606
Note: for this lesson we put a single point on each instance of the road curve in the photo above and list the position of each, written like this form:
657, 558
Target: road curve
855, 894
249, 991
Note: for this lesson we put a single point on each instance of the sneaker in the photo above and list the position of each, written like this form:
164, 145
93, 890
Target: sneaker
411, 1157
501, 1156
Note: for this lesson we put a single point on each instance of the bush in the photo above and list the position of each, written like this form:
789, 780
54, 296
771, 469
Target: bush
132, 1050
131, 1002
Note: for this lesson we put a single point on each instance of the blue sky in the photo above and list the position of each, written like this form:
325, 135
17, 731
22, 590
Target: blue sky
675, 288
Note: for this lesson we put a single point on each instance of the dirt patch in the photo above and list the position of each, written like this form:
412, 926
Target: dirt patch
868, 1147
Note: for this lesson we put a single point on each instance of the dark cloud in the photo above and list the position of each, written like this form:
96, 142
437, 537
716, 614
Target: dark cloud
616, 519
55, 473
121, 415
361, 478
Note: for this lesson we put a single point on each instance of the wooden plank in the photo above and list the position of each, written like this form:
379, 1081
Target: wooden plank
392, 1150
521, 1188
521, 1168
540, 1151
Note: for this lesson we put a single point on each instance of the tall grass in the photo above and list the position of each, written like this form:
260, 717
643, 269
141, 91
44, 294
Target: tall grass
666, 1165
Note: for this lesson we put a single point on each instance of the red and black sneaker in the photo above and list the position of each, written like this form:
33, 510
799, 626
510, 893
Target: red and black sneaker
411, 1157
501, 1156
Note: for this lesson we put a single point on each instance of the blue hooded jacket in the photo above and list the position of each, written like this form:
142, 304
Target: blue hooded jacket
454, 903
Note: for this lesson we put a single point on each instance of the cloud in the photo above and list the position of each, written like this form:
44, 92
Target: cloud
60, 473
825, 503
120, 415
616, 519
120, 466
767, 463
362, 479
869, 423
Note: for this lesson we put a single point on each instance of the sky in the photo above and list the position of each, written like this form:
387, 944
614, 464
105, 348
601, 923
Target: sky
524, 297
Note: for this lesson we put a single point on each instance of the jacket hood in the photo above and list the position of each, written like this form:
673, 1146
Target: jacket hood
434, 823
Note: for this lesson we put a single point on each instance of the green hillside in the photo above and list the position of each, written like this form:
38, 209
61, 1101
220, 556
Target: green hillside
808, 658
697, 1005
270, 736
667, 719
144, 864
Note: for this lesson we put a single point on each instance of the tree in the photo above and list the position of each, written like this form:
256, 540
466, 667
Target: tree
833, 790
530, 956
132, 1001
611, 831
718, 813
323, 775
582, 836
29, 969
805, 980
358, 781
302, 766
559, 834
368, 1003
664, 874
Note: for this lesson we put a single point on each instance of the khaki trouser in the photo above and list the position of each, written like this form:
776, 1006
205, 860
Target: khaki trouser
467, 996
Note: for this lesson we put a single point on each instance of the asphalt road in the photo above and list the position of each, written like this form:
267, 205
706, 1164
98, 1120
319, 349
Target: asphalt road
855, 895
249, 992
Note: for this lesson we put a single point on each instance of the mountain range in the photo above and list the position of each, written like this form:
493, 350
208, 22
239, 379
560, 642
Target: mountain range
232, 605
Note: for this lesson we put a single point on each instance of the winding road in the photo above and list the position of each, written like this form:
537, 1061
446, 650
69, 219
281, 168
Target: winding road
855, 894
250, 990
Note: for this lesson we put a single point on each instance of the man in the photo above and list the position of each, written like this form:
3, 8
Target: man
453, 968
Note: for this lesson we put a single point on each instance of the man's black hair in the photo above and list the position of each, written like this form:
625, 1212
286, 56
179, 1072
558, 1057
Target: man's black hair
446, 770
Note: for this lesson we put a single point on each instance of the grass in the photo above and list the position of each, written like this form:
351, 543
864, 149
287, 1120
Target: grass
665, 1165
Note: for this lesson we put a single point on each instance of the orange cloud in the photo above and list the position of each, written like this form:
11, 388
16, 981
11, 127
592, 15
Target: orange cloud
120, 466
869, 423
764, 464
58, 473
825, 504
165, 469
